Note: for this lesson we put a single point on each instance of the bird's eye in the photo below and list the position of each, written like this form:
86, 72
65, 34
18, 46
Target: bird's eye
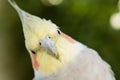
59, 32
33, 52
40, 43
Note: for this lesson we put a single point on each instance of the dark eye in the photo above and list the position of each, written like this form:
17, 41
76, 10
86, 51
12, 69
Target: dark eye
33, 52
40, 43
59, 32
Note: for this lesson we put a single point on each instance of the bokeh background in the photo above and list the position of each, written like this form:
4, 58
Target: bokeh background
87, 21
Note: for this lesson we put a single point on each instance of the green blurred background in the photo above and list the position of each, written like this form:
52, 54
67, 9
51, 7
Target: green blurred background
87, 21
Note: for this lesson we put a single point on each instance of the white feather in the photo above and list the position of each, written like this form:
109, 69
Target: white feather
87, 65
82, 63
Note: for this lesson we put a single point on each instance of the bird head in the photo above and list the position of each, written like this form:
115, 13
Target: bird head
49, 47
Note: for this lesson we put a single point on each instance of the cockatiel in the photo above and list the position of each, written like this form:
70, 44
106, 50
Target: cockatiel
56, 56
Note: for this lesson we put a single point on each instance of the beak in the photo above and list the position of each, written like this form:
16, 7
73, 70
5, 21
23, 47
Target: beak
49, 45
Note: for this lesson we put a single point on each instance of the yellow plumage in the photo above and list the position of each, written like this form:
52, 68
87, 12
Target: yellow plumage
34, 34
49, 64
56, 56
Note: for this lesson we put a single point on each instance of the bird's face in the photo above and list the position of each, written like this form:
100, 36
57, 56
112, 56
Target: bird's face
49, 48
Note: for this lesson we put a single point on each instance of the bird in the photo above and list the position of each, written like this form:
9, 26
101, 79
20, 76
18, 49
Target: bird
57, 56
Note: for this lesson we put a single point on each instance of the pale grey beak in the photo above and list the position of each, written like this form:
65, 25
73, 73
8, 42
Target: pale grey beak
49, 45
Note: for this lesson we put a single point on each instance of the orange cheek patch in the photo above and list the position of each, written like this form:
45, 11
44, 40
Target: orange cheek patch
68, 38
34, 62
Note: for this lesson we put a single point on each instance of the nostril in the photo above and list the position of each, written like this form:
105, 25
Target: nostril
49, 37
